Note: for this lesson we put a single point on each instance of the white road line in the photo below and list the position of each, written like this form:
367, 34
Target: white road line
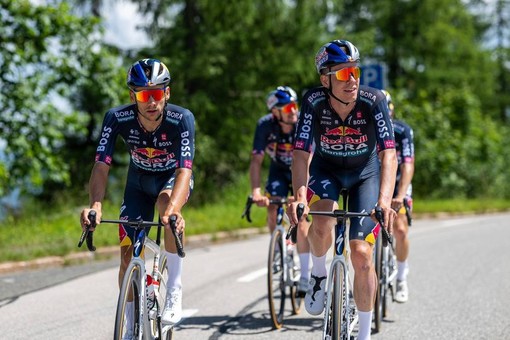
186, 313
253, 275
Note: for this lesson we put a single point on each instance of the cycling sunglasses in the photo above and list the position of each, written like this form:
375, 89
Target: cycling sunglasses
344, 74
143, 96
289, 108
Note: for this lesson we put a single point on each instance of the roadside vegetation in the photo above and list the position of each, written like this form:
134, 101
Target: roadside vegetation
54, 231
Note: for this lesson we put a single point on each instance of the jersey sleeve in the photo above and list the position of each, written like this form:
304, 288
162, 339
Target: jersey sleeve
106, 145
260, 137
385, 135
408, 145
187, 141
304, 131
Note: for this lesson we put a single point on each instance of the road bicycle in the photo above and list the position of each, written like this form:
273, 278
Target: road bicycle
385, 260
340, 313
146, 320
283, 271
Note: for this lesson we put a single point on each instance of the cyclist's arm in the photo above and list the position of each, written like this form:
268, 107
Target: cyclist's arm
389, 165
406, 176
255, 169
171, 201
300, 163
97, 189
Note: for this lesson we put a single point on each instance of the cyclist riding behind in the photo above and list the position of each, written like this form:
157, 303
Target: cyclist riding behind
404, 145
160, 138
275, 135
346, 131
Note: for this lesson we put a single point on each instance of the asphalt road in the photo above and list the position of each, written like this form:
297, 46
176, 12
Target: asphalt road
459, 282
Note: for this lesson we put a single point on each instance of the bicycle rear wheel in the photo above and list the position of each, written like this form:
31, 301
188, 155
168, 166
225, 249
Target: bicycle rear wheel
275, 280
127, 320
380, 297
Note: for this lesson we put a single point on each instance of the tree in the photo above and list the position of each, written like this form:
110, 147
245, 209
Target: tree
47, 55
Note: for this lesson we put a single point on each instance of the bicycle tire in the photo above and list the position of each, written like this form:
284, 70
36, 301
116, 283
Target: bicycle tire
295, 273
131, 287
156, 325
381, 290
339, 319
275, 280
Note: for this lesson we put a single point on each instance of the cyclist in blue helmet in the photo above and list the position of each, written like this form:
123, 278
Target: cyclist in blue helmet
344, 140
274, 135
160, 137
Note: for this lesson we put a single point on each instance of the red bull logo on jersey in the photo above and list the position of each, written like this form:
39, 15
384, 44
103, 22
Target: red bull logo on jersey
153, 159
343, 131
345, 135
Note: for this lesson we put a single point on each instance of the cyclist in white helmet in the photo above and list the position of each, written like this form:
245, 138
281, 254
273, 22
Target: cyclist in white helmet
274, 135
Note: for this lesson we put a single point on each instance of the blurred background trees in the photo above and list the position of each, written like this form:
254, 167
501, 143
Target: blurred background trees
448, 67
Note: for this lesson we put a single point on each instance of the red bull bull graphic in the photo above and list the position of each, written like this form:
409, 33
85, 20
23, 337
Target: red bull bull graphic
344, 134
153, 159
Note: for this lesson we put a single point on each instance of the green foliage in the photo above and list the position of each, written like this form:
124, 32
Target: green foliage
224, 58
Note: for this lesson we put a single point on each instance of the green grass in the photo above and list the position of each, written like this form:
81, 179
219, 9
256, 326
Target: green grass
46, 231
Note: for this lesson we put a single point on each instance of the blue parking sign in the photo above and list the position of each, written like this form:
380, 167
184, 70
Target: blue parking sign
373, 75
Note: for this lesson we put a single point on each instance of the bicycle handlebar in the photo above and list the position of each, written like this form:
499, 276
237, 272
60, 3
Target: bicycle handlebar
137, 224
387, 238
249, 202
408, 212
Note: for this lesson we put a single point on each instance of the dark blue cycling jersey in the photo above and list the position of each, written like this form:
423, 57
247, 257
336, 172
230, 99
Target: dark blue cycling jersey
154, 158
350, 143
170, 146
270, 138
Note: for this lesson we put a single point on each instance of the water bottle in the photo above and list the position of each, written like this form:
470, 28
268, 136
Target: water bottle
150, 291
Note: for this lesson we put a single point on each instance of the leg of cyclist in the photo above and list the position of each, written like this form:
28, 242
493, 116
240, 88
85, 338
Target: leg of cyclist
320, 238
303, 248
401, 249
363, 195
403, 190
174, 194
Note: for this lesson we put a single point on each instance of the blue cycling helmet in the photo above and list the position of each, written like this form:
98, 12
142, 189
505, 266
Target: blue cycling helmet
148, 72
281, 96
335, 52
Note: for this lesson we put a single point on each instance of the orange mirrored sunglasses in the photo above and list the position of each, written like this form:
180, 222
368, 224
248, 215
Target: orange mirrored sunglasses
143, 96
344, 74
289, 108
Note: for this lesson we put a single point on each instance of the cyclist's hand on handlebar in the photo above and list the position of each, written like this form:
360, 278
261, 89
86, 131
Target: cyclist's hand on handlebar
397, 203
84, 218
292, 212
389, 217
261, 201
180, 223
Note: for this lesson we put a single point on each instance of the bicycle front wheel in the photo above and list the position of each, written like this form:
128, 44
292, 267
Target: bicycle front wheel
275, 280
127, 320
338, 303
380, 296
294, 275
